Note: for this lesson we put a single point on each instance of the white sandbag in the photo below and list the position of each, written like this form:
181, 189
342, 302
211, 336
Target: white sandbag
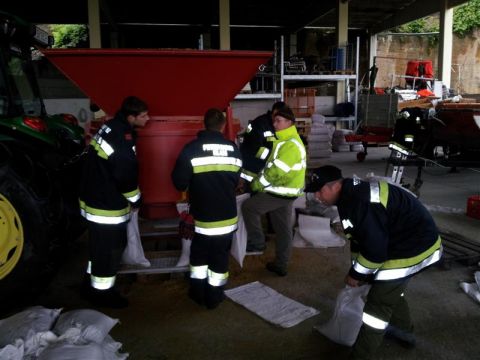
183, 206
477, 278
471, 289
316, 207
38, 343
111, 349
344, 325
133, 253
316, 231
66, 351
298, 241
84, 326
319, 154
319, 145
26, 324
184, 259
298, 203
318, 119
12, 351
239, 242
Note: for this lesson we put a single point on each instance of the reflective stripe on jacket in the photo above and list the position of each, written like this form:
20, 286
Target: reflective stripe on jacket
109, 182
209, 168
284, 173
256, 145
392, 234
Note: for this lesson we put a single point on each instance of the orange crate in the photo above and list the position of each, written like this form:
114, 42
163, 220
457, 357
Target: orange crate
473, 206
301, 101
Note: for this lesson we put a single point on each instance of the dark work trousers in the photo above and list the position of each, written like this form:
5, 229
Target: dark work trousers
214, 252
106, 244
280, 211
247, 188
386, 302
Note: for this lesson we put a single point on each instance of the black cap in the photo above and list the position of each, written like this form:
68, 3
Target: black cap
286, 113
321, 176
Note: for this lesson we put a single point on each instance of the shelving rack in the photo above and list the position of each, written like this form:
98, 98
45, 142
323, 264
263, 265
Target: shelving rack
284, 78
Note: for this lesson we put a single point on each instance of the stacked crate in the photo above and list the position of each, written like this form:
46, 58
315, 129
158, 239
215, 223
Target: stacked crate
301, 101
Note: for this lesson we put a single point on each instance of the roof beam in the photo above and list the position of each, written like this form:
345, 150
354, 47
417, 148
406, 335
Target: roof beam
416, 9
311, 13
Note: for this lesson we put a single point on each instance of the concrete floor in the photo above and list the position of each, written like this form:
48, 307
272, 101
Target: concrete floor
163, 323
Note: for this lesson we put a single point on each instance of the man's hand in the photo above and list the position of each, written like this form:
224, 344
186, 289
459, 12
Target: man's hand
352, 282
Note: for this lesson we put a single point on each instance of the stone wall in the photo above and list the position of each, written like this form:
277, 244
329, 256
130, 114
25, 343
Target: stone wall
398, 49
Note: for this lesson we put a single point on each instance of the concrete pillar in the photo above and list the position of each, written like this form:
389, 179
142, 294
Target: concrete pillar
445, 45
342, 22
224, 14
342, 40
94, 24
372, 49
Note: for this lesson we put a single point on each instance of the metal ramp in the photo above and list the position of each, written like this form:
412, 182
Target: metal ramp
162, 262
457, 247
154, 232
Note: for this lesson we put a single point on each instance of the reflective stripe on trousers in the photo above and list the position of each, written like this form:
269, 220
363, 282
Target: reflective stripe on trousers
98, 282
102, 283
374, 322
202, 272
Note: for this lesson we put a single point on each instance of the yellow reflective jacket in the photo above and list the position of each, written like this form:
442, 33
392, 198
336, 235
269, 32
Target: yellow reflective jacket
284, 172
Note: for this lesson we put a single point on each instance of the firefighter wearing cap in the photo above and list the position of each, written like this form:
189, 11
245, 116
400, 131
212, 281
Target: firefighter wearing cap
279, 183
392, 237
257, 142
108, 191
209, 168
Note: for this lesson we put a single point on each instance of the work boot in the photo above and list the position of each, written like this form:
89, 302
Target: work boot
404, 338
197, 289
214, 296
108, 298
195, 296
277, 269
255, 249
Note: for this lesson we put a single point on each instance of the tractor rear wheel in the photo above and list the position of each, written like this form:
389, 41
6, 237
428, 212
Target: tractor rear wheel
26, 236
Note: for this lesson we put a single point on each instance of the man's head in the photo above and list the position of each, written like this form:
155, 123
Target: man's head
214, 120
135, 110
326, 183
283, 119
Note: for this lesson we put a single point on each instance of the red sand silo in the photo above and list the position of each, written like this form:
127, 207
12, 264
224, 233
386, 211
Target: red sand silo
178, 85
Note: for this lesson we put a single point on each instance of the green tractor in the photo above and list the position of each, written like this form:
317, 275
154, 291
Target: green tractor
40, 162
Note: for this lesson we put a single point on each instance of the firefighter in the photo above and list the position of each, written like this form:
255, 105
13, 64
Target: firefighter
108, 192
209, 168
279, 183
257, 143
392, 237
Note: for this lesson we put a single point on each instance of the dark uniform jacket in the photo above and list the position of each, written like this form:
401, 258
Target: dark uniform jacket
392, 234
256, 145
209, 168
110, 177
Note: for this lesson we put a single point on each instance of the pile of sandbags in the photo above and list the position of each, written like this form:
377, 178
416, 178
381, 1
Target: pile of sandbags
320, 138
339, 144
45, 334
